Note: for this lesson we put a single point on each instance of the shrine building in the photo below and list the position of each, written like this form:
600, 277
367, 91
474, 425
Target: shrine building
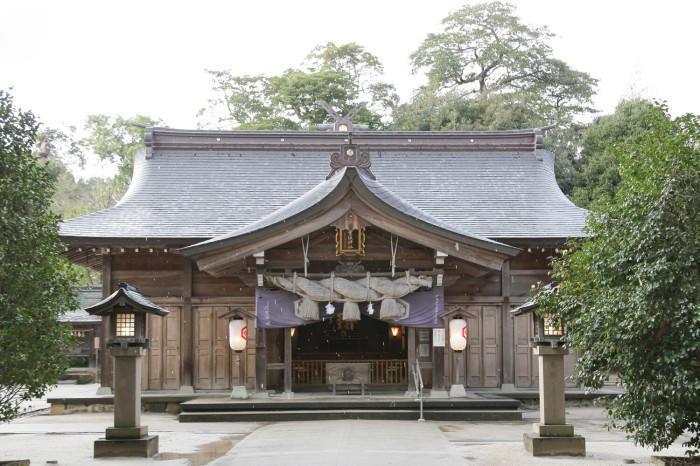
344, 246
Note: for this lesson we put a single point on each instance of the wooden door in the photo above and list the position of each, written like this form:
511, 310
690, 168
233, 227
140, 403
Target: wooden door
474, 354
522, 332
155, 352
483, 359
212, 353
171, 351
490, 343
160, 368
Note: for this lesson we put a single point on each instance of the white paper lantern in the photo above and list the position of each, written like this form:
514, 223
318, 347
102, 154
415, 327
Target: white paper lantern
458, 334
237, 334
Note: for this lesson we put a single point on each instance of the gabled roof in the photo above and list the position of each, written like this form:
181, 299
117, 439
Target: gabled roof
126, 295
328, 193
197, 185
86, 297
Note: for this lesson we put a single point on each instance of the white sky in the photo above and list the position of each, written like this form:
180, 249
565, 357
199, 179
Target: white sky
68, 59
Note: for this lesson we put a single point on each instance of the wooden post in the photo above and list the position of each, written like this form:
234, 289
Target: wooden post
411, 357
447, 358
438, 368
287, 360
507, 332
260, 360
107, 362
186, 328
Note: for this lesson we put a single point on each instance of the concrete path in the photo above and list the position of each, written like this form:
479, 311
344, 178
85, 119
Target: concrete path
345, 442
68, 440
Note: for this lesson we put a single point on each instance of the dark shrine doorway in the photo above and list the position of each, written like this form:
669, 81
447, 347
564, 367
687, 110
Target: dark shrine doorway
368, 340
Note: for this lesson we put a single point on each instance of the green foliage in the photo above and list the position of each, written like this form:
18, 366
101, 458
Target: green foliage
628, 295
596, 167
484, 49
116, 139
489, 71
342, 75
35, 282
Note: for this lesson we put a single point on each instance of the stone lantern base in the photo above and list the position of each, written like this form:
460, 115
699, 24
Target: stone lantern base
144, 447
553, 436
552, 440
128, 437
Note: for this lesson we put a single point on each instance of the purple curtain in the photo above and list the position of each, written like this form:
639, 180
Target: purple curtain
275, 309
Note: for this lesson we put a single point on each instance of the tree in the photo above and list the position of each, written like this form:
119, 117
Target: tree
484, 50
596, 170
36, 285
628, 295
117, 139
342, 75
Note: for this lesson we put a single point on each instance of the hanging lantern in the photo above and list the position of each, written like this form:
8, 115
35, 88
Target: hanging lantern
458, 334
394, 331
237, 334
330, 309
370, 309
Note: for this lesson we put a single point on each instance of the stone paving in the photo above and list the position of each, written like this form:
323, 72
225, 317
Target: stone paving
68, 440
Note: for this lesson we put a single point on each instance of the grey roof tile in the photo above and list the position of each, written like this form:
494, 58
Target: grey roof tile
204, 194
86, 297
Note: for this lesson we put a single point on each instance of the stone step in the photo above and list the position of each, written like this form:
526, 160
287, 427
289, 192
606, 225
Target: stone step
334, 414
203, 405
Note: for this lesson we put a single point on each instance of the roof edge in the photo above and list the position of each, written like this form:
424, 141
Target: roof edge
162, 139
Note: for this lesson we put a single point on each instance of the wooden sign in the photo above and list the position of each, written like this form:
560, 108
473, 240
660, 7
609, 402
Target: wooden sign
347, 373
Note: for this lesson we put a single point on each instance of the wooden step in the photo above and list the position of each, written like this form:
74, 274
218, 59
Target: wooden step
204, 405
334, 414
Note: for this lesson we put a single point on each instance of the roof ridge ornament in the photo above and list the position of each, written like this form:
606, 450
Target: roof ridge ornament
349, 157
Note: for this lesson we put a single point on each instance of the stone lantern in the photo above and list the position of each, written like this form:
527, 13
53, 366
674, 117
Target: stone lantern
552, 435
127, 310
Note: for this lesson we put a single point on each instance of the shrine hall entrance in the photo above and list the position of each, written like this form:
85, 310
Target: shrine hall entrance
334, 340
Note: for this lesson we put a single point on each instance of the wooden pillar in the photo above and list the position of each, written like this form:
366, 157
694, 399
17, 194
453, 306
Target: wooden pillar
411, 357
438, 368
287, 360
260, 359
448, 373
187, 328
106, 358
507, 331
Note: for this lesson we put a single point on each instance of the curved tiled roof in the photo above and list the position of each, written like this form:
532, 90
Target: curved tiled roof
332, 187
201, 193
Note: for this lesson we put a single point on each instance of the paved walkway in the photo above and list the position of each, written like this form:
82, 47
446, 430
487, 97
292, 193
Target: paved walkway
68, 439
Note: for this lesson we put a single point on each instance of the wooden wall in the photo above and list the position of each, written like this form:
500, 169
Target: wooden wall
189, 346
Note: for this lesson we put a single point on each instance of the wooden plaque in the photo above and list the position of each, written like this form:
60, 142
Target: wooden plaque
347, 373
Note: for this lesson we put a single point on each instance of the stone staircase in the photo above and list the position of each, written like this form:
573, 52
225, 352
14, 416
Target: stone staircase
474, 408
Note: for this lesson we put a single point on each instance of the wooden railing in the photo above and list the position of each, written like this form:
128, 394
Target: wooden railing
382, 371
